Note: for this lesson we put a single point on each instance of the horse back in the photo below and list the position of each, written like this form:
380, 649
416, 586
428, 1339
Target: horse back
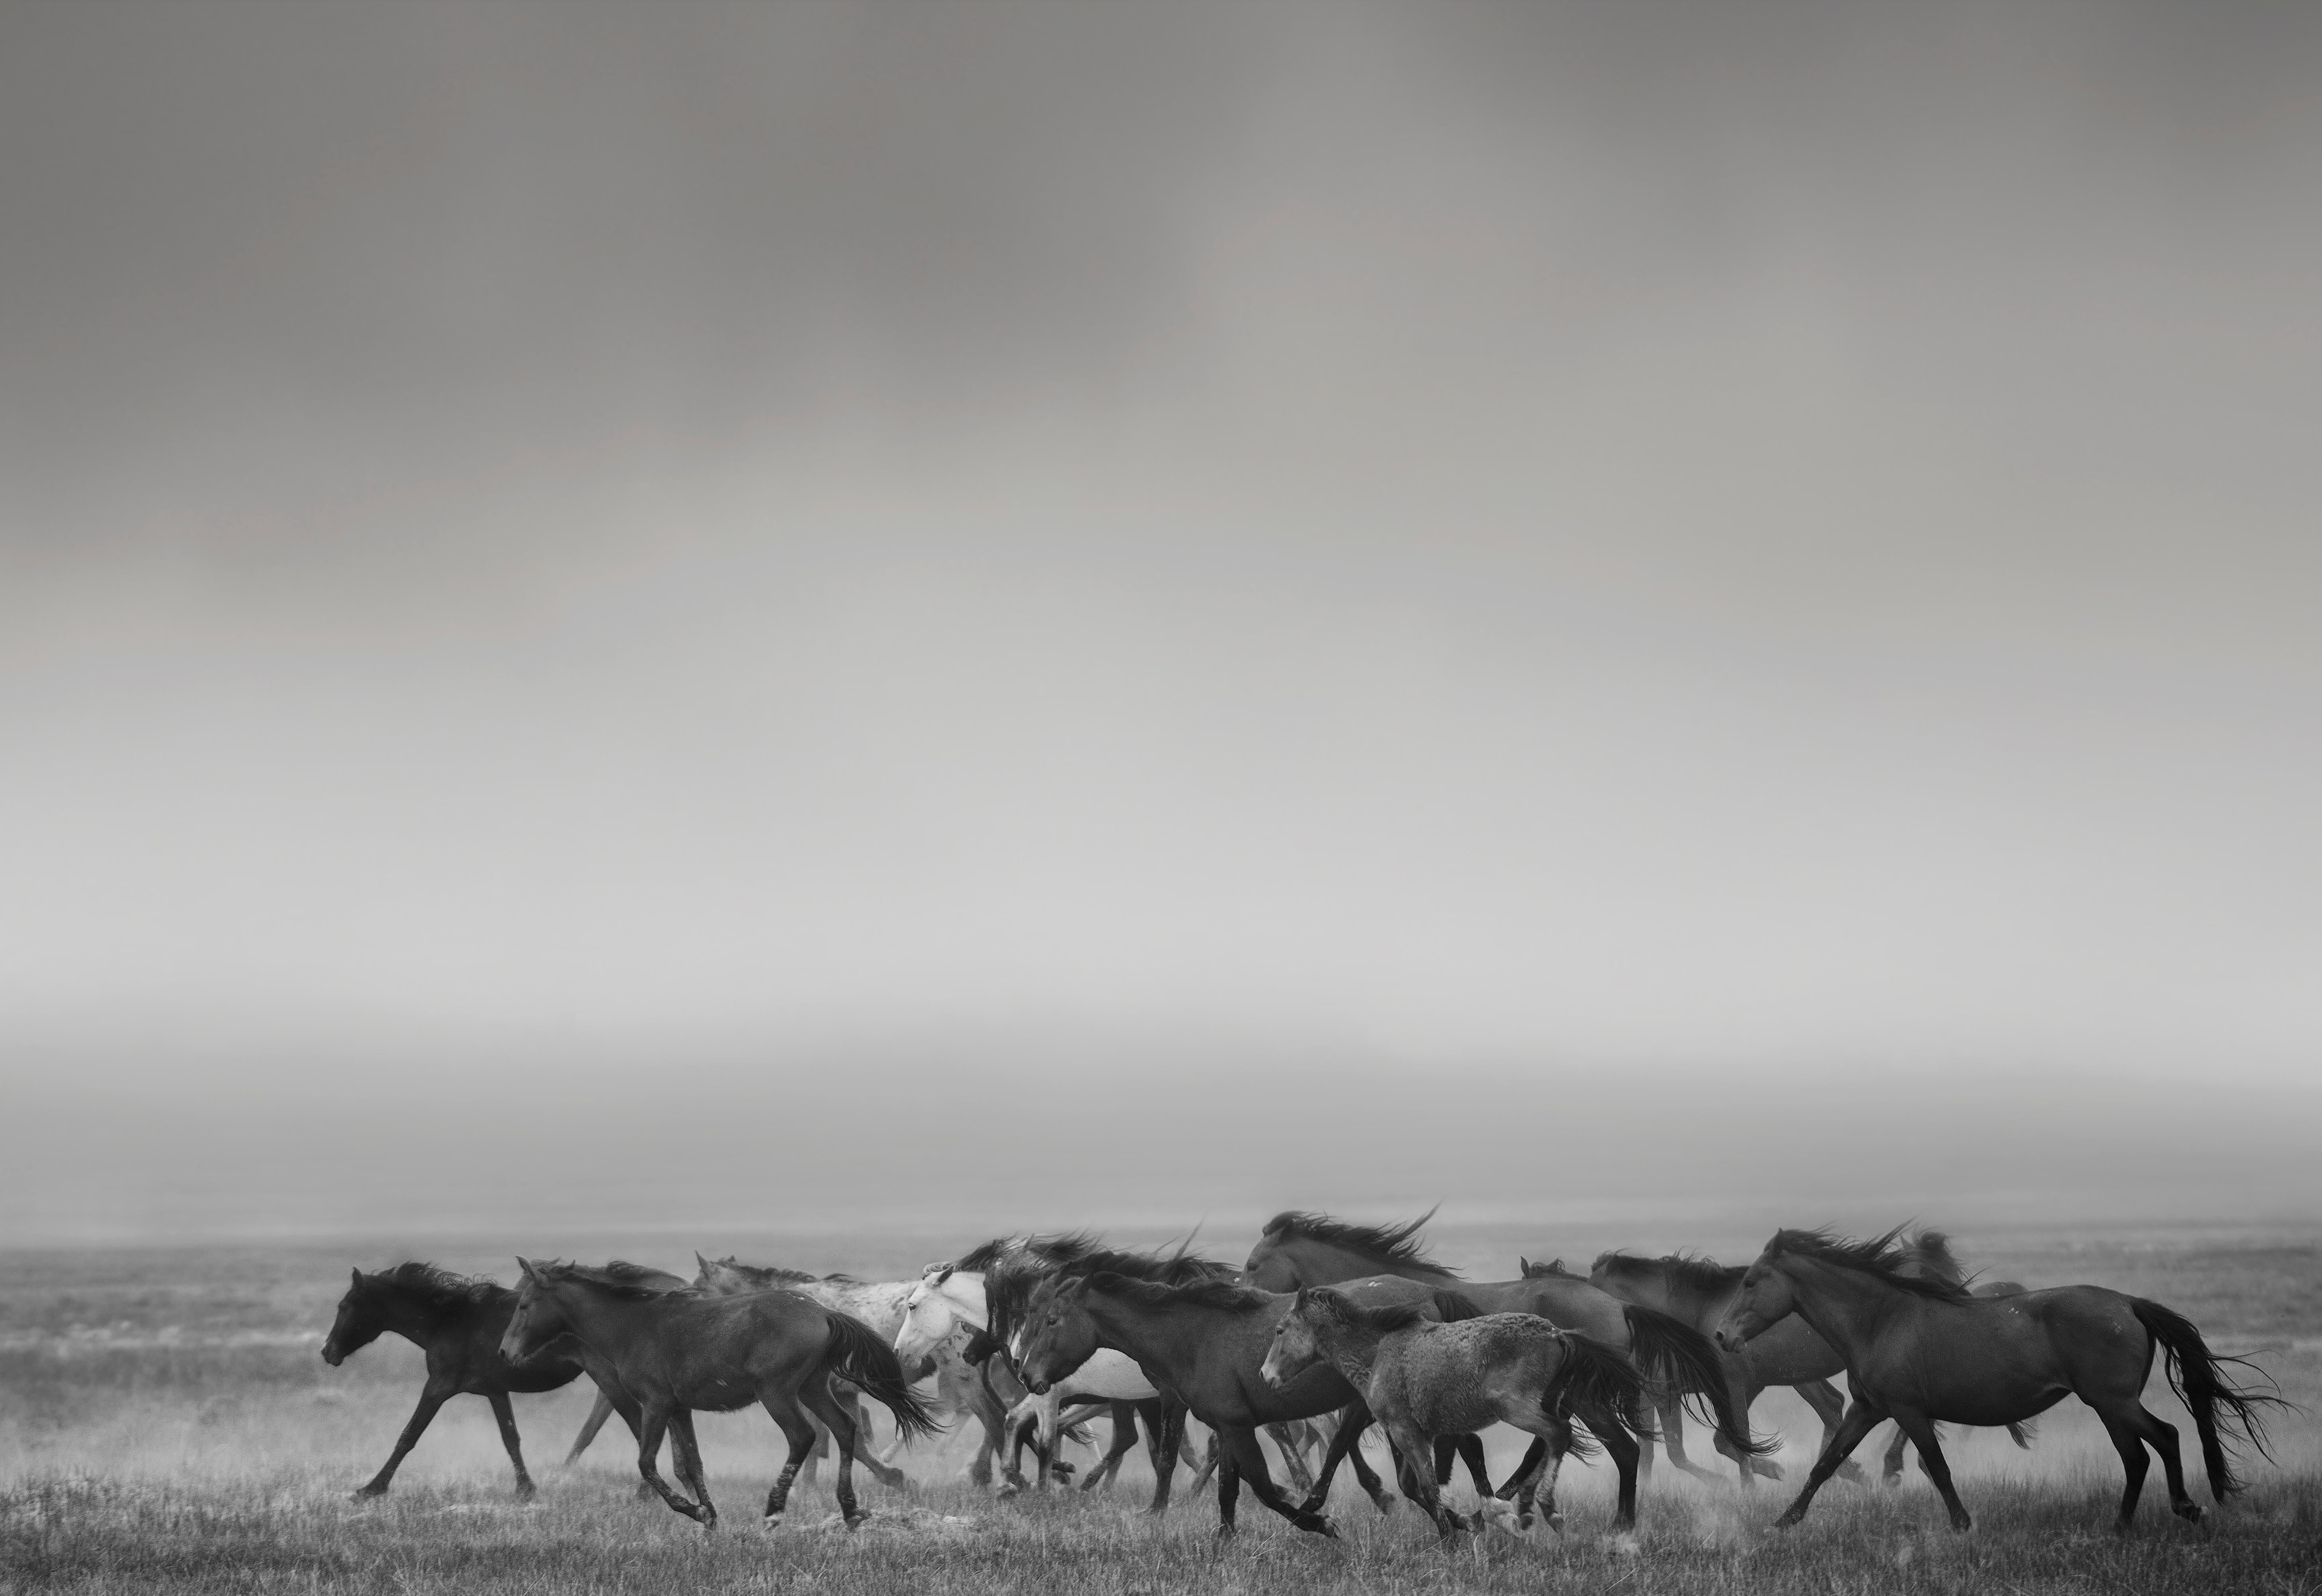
1567, 1303
720, 1353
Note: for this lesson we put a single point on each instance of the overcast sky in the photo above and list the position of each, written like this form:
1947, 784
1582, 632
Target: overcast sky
1635, 541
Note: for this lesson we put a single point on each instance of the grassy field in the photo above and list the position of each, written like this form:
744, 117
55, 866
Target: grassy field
165, 1421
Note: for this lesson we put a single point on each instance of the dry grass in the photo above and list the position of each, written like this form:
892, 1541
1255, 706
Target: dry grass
164, 1422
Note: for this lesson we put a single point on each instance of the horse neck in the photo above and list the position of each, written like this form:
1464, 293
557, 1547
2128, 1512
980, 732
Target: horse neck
1168, 1336
596, 1317
1696, 1306
417, 1319
1844, 1306
1350, 1349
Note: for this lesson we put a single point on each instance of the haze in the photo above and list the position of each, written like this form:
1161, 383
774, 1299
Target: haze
683, 610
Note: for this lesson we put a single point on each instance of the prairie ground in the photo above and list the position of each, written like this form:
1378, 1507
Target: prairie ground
165, 1421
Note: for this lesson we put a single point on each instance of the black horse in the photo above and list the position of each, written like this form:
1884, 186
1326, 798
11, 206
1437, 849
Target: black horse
457, 1320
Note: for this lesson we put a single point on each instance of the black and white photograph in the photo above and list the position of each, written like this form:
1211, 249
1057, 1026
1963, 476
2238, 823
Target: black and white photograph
1158, 798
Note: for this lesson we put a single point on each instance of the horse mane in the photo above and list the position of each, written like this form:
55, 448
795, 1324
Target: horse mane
438, 1287
1388, 1244
635, 1283
1553, 1269
1216, 1292
1885, 1256
1174, 1269
1933, 1249
1691, 1269
986, 1255
775, 1273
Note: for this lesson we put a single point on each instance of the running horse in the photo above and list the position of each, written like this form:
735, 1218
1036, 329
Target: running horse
1203, 1343
1308, 1249
1425, 1378
1923, 1351
677, 1353
457, 1320
1697, 1290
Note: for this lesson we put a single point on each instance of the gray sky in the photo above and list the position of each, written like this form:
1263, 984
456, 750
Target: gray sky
1593, 548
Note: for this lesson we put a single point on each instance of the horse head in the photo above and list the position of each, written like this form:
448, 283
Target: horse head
358, 1324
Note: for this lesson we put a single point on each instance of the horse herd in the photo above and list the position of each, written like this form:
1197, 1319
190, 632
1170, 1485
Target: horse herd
1027, 1336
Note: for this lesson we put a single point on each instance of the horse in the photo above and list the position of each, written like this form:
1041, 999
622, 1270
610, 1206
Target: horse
1204, 1341
1920, 1350
1696, 1289
1425, 1379
949, 1301
678, 1353
457, 1320
1014, 1267
1299, 1248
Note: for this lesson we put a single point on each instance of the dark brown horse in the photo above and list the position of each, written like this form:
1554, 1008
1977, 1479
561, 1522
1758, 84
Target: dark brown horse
1920, 1351
1014, 1267
1305, 1249
457, 1320
675, 1354
1204, 1342
1697, 1290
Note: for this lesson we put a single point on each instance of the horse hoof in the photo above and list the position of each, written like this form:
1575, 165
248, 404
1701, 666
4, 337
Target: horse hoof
1788, 1520
1225, 1532
1323, 1526
367, 1493
857, 1520
2186, 1510
1961, 1523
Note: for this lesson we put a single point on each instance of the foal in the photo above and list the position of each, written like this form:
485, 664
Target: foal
1424, 1378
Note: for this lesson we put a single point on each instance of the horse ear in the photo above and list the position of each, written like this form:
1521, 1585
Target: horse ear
1523, 1264
525, 1265
358, 1274
944, 1272
1305, 1295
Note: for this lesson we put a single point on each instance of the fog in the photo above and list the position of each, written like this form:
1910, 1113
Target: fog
692, 612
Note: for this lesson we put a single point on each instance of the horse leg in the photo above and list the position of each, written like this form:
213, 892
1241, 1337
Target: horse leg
798, 1429
1860, 1420
432, 1396
598, 1413
1124, 1436
1668, 1410
1228, 1486
1353, 1420
686, 1457
1829, 1407
1890, 1467
1249, 1461
1164, 1423
840, 1417
657, 1416
1921, 1429
503, 1410
1739, 1389
2161, 1436
1414, 1451
1624, 1449
1293, 1456
1534, 1456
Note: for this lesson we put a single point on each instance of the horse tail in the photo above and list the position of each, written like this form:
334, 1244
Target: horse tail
2198, 1375
854, 1352
1595, 1382
1454, 1308
1668, 1349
